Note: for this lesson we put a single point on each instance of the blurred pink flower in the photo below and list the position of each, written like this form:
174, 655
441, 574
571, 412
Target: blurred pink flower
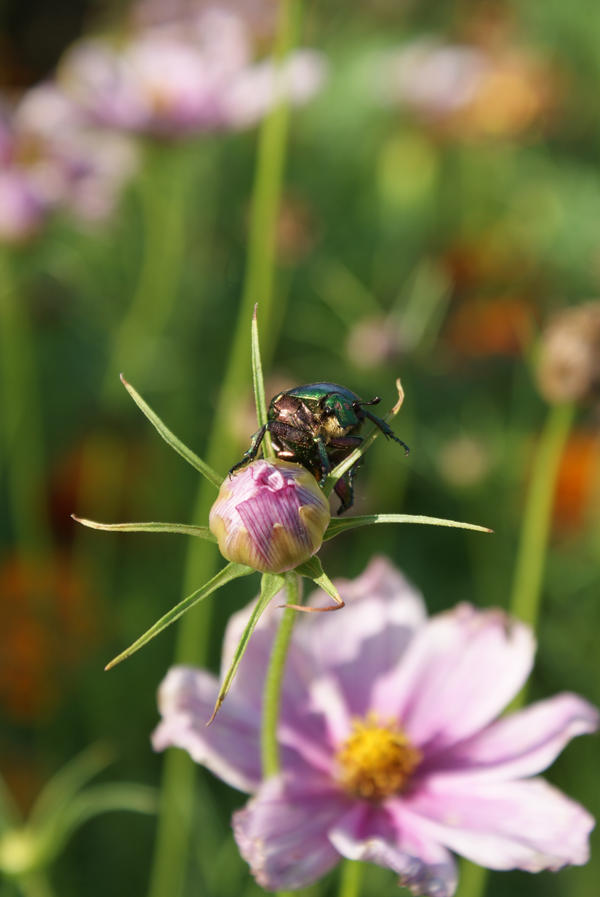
391, 747
184, 78
50, 159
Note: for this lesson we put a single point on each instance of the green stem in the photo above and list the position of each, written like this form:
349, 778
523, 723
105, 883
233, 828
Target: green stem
530, 564
533, 543
274, 681
351, 876
175, 821
21, 417
163, 193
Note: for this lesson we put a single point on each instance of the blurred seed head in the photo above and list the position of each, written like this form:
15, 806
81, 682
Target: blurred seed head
568, 367
373, 342
270, 515
464, 461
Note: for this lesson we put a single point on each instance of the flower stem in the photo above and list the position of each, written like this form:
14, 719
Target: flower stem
533, 543
351, 875
175, 820
274, 680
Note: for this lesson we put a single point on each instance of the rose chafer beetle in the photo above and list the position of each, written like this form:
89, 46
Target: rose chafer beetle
317, 425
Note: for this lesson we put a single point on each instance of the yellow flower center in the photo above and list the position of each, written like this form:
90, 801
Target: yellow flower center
376, 760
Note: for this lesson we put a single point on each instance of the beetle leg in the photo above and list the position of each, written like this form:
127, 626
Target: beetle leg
386, 430
323, 457
345, 442
344, 488
250, 454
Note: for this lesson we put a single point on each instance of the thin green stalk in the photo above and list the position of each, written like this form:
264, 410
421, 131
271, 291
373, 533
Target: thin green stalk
351, 876
274, 680
21, 416
163, 193
176, 810
533, 543
531, 560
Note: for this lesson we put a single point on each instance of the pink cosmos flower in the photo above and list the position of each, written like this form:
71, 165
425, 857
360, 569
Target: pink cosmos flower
184, 78
392, 751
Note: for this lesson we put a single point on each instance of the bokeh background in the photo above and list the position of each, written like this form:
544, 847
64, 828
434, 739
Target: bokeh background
440, 202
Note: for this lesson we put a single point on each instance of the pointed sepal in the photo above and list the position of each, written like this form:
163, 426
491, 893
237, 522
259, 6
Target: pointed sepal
150, 526
341, 526
313, 569
231, 571
186, 453
270, 584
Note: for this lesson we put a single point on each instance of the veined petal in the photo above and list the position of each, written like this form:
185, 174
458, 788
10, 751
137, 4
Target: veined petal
458, 673
371, 835
282, 832
229, 748
526, 824
382, 612
521, 744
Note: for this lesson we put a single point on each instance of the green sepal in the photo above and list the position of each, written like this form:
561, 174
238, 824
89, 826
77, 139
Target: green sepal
271, 583
231, 571
201, 532
258, 384
344, 466
340, 526
313, 569
186, 453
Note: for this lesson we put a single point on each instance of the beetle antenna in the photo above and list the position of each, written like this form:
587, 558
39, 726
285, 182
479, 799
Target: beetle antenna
374, 401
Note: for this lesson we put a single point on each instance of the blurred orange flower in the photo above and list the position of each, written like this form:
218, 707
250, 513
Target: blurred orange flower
578, 480
481, 327
48, 626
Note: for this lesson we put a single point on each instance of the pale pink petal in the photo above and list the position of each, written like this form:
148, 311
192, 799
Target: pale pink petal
458, 673
370, 834
282, 832
229, 747
367, 637
525, 824
521, 744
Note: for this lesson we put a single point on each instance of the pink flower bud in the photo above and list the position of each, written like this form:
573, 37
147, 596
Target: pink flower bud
271, 515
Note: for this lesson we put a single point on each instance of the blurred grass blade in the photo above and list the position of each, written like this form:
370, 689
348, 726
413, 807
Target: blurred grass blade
186, 453
201, 532
348, 462
9, 813
63, 786
314, 570
341, 526
231, 571
121, 796
259, 386
270, 585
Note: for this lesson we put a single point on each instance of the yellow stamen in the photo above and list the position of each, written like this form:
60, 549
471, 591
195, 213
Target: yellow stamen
376, 760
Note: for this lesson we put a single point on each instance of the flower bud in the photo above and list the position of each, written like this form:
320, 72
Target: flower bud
270, 515
569, 361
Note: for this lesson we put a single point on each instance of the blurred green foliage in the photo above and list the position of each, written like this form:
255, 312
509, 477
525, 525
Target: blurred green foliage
403, 250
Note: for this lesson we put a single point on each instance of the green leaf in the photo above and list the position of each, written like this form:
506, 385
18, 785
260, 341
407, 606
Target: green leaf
258, 384
201, 532
63, 786
186, 453
313, 569
271, 583
341, 526
231, 571
348, 462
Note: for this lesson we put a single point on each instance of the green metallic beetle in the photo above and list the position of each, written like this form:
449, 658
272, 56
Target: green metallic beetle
317, 425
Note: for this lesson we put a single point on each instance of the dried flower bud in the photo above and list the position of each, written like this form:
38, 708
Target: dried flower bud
569, 361
271, 515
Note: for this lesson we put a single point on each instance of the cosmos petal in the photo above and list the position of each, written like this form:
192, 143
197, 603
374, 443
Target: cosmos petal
371, 834
525, 824
229, 747
458, 674
382, 612
282, 832
521, 744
